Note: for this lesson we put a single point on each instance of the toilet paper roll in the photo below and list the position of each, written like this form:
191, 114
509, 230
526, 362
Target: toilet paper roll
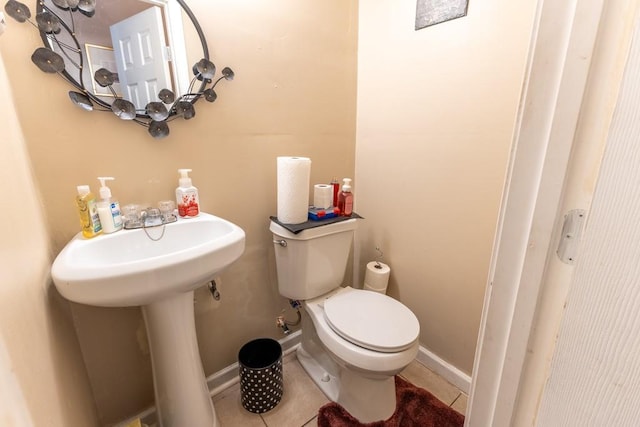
293, 189
376, 278
322, 196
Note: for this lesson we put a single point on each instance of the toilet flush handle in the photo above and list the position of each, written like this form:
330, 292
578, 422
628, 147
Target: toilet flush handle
282, 242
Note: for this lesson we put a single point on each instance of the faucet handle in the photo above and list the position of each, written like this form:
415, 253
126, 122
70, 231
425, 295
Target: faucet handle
131, 214
151, 217
167, 210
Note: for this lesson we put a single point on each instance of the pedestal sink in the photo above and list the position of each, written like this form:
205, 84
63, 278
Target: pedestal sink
158, 269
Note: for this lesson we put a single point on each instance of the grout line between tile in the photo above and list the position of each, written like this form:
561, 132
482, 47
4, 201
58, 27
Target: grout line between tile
263, 421
456, 399
309, 420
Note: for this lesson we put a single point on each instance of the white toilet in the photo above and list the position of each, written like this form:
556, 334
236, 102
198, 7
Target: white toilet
353, 341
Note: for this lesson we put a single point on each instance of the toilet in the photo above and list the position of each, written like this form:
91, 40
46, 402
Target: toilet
353, 341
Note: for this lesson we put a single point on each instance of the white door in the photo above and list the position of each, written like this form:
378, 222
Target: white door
595, 371
141, 56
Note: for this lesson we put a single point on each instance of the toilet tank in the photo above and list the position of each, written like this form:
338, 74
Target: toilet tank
314, 261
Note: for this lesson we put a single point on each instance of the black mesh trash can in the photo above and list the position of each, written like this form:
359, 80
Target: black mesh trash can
260, 375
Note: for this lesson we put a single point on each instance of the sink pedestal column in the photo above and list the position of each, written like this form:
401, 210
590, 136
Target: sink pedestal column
181, 392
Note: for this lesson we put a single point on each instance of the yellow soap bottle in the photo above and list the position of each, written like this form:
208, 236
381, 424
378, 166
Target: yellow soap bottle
88, 212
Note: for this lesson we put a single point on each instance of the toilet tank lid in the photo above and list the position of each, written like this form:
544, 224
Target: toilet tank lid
312, 233
372, 320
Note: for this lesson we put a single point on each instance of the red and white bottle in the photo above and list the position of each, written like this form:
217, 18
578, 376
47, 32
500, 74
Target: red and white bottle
187, 196
345, 198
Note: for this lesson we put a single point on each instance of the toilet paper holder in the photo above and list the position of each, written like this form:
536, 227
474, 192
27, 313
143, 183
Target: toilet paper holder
378, 265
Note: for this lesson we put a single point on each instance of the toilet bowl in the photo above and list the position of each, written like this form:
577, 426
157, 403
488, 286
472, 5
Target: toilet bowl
353, 341
366, 338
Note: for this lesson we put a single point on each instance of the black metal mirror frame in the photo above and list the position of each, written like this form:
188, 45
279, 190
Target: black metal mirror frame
40, 7
155, 119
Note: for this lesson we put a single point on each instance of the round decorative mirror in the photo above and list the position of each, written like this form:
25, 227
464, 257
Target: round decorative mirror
126, 57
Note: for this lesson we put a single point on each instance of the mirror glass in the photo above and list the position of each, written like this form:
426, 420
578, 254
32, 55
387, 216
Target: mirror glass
101, 34
127, 57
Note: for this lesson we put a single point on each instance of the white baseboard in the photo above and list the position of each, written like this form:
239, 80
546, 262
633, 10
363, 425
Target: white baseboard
218, 381
446, 370
227, 377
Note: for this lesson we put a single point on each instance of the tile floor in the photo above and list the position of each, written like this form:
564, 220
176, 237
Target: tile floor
302, 399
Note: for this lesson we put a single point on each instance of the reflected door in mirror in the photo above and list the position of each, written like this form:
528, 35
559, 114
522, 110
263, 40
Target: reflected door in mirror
142, 56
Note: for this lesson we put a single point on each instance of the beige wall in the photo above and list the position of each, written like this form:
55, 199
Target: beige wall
43, 380
435, 114
294, 94
436, 111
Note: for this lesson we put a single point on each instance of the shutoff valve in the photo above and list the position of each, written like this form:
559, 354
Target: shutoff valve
280, 323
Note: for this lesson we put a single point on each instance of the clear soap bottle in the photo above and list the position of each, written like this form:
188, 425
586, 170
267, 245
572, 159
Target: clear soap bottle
88, 212
108, 208
187, 196
345, 198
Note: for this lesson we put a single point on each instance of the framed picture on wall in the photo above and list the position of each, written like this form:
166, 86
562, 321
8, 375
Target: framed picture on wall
101, 57
432, 12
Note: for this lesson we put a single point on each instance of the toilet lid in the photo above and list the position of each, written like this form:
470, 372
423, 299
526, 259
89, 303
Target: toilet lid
372, 320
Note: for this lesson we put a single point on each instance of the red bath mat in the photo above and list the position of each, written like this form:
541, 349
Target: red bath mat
416, 407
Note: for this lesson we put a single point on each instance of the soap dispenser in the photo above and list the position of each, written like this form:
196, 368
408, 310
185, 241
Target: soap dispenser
345, 198
187, 196
88, 212
108, 209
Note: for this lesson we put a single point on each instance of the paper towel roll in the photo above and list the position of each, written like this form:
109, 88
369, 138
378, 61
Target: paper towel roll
377, 279
293, 189
322, 196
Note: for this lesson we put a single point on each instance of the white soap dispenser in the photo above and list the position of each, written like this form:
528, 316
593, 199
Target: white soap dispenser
108, 209
187, 196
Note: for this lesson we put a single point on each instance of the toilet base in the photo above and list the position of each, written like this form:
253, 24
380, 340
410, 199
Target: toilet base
367, 399
327, 382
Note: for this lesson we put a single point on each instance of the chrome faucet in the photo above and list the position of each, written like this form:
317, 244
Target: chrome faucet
149, 217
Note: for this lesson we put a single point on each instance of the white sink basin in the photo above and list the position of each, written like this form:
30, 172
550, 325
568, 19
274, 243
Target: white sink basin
128, 268
159, 271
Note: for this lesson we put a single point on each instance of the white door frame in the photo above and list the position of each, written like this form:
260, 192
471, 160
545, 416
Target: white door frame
560, 55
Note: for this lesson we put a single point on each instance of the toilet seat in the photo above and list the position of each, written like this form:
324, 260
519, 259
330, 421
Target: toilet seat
371, 320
